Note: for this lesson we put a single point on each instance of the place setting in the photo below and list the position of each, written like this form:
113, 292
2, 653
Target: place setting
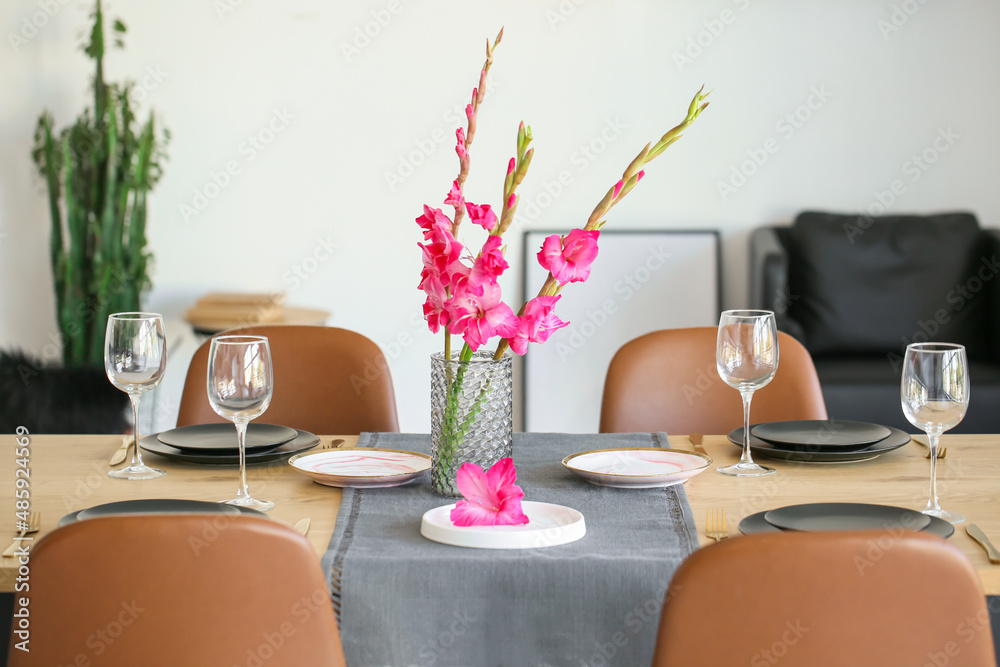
844, 516
821, 440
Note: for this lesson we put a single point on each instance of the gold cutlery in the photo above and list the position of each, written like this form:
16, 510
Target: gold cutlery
121, 452
715, 524
976, 533
941, 453
696, 439
33, 525
335, 444
302, 526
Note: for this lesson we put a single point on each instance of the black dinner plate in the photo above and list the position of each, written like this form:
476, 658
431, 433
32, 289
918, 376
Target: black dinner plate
221, 438
156, 506
756, 523
300, 443
846, 516
821, 435
760, 447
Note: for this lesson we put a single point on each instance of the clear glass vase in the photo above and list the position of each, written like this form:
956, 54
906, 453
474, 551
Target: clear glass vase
470, 415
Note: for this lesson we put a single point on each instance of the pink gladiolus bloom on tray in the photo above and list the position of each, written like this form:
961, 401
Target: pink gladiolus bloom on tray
568, 259
491, 498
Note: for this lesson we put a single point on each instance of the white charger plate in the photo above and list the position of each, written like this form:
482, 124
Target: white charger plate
637, 467
362, 468
548, 526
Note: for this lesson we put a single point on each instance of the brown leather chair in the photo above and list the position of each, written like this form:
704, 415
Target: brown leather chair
326, 381
667, 381
826, 599
199, 590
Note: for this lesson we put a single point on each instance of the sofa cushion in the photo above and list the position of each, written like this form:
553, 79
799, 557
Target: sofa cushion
861, 285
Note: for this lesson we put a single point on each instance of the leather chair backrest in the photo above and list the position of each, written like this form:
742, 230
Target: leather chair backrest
198, 590
667, 381
326, 381
826, 599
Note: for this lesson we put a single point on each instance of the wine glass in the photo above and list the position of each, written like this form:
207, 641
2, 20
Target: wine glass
135, 356
240, 383
746, 356
935, 396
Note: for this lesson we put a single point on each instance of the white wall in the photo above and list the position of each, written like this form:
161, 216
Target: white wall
571, 69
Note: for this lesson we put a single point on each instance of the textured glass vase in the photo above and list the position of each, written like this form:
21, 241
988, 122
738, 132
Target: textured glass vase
470, 416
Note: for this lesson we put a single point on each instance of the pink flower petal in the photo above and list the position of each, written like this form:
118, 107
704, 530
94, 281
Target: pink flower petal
491, 498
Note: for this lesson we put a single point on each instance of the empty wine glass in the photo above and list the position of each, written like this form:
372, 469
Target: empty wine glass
746, 356
135, 356
240, 383
935, 396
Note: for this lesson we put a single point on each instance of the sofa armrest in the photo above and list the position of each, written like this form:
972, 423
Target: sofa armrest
769, 278
990, 262
768, 271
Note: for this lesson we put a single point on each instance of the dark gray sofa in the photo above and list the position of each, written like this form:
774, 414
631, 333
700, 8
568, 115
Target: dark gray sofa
856, 290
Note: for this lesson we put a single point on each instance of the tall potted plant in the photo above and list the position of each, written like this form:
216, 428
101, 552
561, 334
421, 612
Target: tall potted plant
98, 172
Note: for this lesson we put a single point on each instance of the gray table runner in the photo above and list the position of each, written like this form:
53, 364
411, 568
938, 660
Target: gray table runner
405, 600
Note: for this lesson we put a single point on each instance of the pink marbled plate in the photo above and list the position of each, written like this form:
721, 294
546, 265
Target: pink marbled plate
637, 468
362, 468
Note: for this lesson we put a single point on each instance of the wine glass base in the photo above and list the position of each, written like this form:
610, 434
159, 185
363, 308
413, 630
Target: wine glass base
136, 472
950, 517
252, 503
746, 470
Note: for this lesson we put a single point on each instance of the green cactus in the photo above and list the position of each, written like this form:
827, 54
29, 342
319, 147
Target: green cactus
98, 172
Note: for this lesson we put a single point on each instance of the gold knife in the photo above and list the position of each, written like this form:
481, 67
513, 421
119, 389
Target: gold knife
696, 439
302, 526
979, 536
122, 452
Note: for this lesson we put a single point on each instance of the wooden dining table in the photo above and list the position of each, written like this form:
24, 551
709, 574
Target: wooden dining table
67, 473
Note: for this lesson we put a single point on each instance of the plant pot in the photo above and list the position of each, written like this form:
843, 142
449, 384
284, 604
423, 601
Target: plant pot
471, 419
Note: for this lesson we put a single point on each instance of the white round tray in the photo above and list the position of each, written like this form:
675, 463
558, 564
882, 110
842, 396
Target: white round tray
548, 526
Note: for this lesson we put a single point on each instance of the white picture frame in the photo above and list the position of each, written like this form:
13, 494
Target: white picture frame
642, 281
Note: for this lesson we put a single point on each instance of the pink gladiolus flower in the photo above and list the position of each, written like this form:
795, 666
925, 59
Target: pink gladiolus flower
490, 264
433, 219
510, 167
618, 188
491, 498
482, 215
511, 200
455, 197
569, 259
536, 324
638, 177
468, 108
477, 318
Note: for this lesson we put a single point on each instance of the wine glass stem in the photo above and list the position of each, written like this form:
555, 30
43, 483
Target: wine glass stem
241, 437
932, 444
136, 454
747, 397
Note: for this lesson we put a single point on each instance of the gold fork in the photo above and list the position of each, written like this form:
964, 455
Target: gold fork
715, 524
335, 444
696, 439
941, 453
33, 525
